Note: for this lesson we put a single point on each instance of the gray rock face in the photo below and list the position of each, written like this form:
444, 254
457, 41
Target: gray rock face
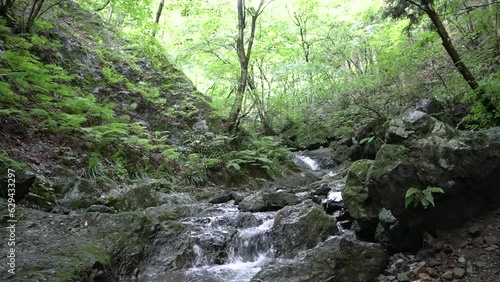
22, 179
300, 227
425, 152
89, 247
336, 259
268, 201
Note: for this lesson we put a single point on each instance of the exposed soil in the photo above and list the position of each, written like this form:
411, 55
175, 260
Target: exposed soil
470, 253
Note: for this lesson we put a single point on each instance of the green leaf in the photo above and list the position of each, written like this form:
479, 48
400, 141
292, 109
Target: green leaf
433, 190
233, 166
366, 140
411, 191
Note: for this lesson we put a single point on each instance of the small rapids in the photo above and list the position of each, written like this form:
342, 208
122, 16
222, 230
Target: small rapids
248, 250
233, 246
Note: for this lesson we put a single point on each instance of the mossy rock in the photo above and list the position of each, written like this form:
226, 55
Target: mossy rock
300, 227
137, 199
355, 192
388, 157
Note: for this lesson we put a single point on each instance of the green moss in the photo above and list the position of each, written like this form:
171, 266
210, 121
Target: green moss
175, 225
138, 198
80, 203
388, 156
357, 172
169, 215
96, 253
355, 192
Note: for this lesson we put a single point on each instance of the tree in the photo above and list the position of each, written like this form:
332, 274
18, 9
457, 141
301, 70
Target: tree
158, 15
244, 54
398, 9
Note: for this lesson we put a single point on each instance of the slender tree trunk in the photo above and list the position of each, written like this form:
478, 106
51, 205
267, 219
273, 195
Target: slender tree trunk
244, 58
110, 14
158, 15
103, 6
450, 49
427, 7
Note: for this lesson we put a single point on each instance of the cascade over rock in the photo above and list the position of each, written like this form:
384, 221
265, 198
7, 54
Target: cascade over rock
336, 259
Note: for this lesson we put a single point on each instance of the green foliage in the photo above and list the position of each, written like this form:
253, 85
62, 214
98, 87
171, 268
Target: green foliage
414, 197
111, 75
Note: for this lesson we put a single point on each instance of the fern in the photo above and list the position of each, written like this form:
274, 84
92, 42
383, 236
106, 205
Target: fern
414, 197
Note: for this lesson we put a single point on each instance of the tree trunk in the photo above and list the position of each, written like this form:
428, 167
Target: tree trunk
110, 14
244, 58
450, 49
158, 15
103, 6
455, 57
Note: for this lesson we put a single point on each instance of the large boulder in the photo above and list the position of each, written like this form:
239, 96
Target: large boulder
85, 247
268, 201
424, 152
336, 259
300, 227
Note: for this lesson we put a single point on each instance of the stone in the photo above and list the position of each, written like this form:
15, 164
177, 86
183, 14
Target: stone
22, 176
336, 259
300, 227
475, 229
458, 272
431, 154
448, 275
424, 276
268, 201
101, 209
403, 277
491, 240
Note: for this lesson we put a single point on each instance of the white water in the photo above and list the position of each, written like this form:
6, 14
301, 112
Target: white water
334, 196
309, 162
248, 248
248, 252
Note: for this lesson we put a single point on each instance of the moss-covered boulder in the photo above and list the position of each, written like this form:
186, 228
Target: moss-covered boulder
355, 192
301, 227
427, 153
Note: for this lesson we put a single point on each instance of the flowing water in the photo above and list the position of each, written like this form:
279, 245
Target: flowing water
249, 249
232, 246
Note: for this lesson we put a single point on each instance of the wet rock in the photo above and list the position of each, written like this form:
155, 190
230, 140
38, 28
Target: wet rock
21, 179
300, 227
222, 198
268, 201
324, 157
336, 259
355, 194
101, 209
75, 247
247, 219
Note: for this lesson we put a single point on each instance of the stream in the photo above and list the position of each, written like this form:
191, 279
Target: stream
229, 245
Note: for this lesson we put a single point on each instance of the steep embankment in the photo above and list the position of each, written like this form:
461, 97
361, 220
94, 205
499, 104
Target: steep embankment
88, 112
74, 94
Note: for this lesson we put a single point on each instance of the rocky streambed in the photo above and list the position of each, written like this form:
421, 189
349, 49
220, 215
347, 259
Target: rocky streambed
329, 222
